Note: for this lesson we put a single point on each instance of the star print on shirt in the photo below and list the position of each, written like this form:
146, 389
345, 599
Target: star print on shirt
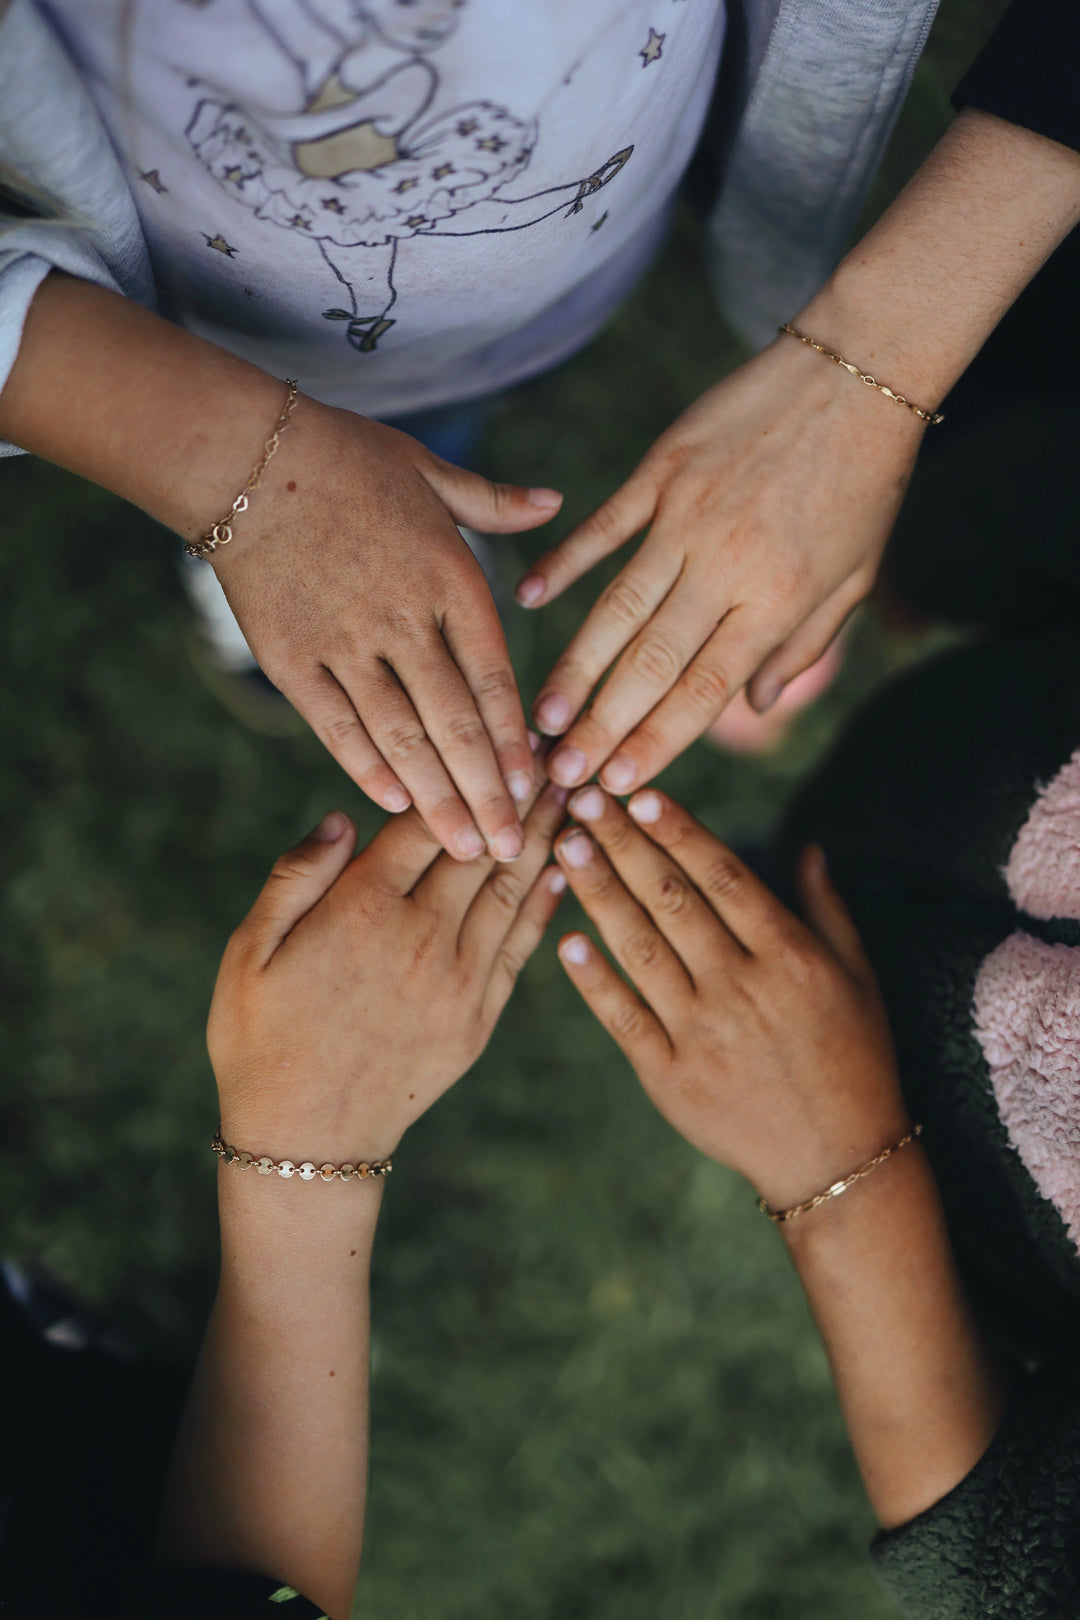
334, 204
442, 171
235, 175
153, 179
406, 184
654, 48
219, 245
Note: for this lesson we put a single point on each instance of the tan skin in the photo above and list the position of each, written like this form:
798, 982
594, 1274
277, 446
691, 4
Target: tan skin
763, 1041
348, 575
769, 502
352, 997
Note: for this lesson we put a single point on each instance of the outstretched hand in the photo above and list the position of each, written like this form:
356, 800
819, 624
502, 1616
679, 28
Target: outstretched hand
364, 605
768, 505
762, 1039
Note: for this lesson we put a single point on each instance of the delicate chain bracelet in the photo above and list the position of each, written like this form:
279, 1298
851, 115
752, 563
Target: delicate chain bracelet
221, 532
306, 1171
933, 417
838, 1187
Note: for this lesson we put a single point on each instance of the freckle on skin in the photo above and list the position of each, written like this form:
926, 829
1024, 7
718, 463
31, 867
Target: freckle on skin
352, 1254
291, 484
331, 1372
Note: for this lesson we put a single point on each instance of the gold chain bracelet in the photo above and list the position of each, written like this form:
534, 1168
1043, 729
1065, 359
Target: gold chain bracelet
838, 1187
306, 1171
221, 532
933, 417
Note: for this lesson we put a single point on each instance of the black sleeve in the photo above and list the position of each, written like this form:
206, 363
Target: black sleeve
1006, 1542
1028, 73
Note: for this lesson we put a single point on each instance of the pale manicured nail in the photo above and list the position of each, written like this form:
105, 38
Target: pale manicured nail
567, 767
396, 799
588, 805
575, 949
520, 784
556, 880
469, 843
619, 773
552, 713
534, 740
530, 590
646, 807
508, 844
766, 695
546, 499
577, 850
331, 827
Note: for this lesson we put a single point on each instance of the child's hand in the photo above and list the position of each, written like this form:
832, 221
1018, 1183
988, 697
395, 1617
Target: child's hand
768, 504
364, 605
764, 1042
356, 992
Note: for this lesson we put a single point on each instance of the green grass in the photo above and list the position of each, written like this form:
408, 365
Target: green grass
597, 1390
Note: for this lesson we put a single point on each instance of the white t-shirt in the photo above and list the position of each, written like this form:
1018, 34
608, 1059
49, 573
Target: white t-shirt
399, 202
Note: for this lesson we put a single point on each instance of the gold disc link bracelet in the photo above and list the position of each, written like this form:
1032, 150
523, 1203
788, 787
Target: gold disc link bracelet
306, 1171
221, 532
838, 1187
933, 417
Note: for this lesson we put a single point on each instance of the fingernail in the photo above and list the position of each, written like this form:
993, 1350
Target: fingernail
530, 590
559, 794
587, 805
646, 807
534, 740
577, 849
552, 712
575, 949
520, 784
508, 844
396, 799
567, 766
546, 499
469, 843
766, 695
556, 880
619, 773
330, 828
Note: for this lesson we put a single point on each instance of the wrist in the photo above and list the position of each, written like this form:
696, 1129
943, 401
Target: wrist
853, 315
303, 1237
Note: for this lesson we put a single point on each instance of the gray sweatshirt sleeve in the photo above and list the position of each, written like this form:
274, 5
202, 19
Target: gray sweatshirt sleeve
64, 201
1005, 1544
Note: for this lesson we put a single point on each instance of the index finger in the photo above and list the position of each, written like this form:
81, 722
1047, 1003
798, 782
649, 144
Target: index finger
746, 906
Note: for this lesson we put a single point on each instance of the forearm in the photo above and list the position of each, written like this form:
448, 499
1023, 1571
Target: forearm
108, 390
915, 300
920, 1395
270, 1467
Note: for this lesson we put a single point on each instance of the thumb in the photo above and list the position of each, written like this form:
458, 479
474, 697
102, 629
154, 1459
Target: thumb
491, 508
827, 914
298, 881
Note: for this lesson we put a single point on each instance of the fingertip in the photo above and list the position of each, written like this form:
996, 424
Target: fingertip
574, 950
529, 591
545, 500
332, 827
646, 807
556, 880
396, 799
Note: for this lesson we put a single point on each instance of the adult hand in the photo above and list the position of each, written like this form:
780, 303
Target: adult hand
364, 605
357, 991
768, 504
763, 1040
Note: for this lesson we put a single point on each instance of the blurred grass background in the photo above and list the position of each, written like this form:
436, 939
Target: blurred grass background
597, 1389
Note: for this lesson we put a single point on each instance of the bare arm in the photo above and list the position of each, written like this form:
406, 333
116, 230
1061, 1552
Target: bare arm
770, 500
347, 574
765, 1044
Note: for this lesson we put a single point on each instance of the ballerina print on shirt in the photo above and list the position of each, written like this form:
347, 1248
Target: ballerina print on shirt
363, 163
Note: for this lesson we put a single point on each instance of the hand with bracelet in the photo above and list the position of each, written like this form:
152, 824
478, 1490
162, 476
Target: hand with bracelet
351, 998
768, 503
764, 1042
346, 570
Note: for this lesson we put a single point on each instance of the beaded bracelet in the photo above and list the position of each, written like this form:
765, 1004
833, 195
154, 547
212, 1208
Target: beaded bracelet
306, 1171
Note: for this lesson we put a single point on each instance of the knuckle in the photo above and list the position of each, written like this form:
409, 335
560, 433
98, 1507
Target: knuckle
627, 1021
641, 950
657, 659
672, 894
464, 731
605, 523
724, 876
506, 889
511, 960
708, 686
496, 684
625, 602
403, 740
339, 729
